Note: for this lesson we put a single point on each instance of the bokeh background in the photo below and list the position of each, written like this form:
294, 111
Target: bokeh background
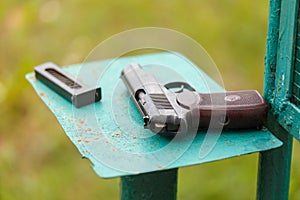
37, 161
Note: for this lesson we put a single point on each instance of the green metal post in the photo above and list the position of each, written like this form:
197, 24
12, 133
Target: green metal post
271, 51
274, 167
155, 185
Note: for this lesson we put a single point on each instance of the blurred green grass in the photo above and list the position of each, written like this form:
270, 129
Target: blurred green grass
37, 161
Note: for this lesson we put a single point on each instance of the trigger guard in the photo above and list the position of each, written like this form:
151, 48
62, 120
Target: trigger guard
180, 85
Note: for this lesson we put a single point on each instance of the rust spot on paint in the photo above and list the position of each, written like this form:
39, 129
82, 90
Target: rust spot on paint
117, 134
88, 130
42, 94
82, 121
86, 141
70, 120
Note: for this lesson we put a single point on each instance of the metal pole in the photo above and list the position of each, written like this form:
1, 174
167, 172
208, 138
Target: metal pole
155, 185
274, 167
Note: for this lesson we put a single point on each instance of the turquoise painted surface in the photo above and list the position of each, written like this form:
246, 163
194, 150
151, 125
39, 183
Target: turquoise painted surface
271, 50
110, 133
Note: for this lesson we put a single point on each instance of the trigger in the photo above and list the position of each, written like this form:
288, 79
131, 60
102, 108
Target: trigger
180, 86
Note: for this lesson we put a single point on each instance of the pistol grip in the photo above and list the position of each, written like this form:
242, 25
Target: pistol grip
233, 110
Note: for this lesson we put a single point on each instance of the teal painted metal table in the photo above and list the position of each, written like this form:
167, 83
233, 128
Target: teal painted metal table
110, 133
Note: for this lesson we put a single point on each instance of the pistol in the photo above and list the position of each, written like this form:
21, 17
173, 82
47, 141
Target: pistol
168, 111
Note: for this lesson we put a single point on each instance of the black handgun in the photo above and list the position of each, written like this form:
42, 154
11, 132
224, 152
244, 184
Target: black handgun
166, 111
